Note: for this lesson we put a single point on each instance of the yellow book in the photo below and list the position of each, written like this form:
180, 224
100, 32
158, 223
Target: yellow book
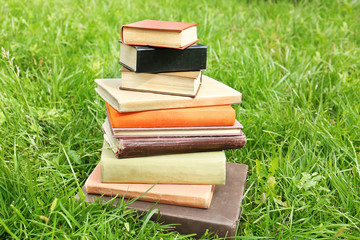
187, 168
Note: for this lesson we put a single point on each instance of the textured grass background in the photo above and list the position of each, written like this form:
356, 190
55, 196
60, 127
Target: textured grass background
296, 65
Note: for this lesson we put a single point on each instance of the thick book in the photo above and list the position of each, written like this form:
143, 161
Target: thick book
222, 217
176, 132
173, 83
211, 93
176, 194
145, 59
177, 117
152, 146
186, 168
160, 34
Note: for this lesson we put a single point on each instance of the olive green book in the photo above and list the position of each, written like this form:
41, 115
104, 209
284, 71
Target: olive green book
185, 168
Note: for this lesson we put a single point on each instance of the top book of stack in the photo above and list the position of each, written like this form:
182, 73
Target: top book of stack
156, 33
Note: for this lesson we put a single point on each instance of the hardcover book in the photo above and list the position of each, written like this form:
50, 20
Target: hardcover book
184, 195
187, 168
222, 217
177, 117
165, 132
173, 83
160, 34
211, 93
145, 59
152, 146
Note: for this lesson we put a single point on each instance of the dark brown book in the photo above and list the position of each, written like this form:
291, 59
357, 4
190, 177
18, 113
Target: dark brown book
139, 147
221, 217
153, 146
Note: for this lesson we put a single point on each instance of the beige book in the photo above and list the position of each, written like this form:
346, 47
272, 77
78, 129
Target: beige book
211, 93
159, 33
173, 83
187, 168
198, 196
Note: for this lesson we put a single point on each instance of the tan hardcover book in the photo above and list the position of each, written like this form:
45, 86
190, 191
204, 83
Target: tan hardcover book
173, 83
198, 196
186, 168
159, 34
211, 93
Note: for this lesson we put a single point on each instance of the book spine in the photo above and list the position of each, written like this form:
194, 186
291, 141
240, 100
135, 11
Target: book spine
171, 60
139, 147
188, 168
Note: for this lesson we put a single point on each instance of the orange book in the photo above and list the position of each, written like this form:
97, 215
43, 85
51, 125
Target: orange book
176, 194
177, 117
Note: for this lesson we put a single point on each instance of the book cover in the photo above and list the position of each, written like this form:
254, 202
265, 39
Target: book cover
159, 34
173, 83
222, 217
145, 59
176, 194
178, 117
152, 146
187, 168
211, 93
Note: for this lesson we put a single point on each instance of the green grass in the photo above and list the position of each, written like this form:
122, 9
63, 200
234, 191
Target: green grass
298, 70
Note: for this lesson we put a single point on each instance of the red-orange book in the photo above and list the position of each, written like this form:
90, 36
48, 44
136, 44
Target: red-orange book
177, 117
198, 196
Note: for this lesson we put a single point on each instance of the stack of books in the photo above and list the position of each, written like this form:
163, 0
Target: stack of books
166, 130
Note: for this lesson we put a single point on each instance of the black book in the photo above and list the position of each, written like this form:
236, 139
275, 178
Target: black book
144, 59
221, 217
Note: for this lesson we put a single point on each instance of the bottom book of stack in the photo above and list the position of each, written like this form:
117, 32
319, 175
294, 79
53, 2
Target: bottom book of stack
220, 216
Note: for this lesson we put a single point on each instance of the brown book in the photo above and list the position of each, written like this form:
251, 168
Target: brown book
221, 217
177, 194
152, 146
159, 34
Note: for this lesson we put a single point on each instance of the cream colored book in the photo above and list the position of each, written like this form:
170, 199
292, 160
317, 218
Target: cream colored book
211, 93
198, 196
187, 168
216, 131
173, 83
160, 33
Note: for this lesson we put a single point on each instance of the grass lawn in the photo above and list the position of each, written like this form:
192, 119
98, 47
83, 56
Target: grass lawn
298, 68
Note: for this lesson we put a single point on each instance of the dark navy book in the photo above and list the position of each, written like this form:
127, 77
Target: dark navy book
144, 59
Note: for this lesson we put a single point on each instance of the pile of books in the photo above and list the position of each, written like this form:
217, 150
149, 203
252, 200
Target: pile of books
166, 130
